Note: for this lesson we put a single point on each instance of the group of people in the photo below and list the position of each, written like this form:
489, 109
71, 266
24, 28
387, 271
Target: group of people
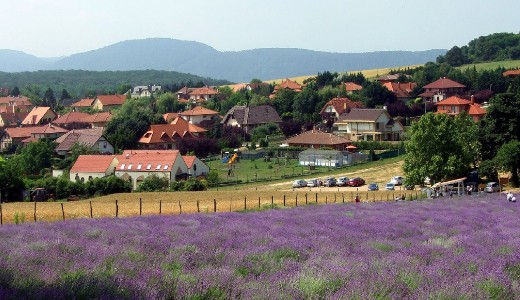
510, 197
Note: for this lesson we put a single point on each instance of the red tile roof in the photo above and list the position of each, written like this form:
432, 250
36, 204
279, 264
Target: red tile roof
36, 115
112, 99
163, 133
189, 160
19, 132
71, 117
289, 84
147, 160
98, 117
92, 164
444, 83
83, 103
342, 105
168, 117
88, 131
199, 111
17, 101
351, 86
511, 73
476, 110
48, 129
401, 90
453, 100
204, 91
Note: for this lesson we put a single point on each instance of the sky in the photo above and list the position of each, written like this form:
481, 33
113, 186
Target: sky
54, 28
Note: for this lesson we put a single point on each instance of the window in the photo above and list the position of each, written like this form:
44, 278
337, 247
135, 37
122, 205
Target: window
130, 167
123, 166
149, 166
377, 125
105, 145
158, 167
165, 167
139, 166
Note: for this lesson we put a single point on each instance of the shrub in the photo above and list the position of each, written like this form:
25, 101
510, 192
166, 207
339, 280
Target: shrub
153, 183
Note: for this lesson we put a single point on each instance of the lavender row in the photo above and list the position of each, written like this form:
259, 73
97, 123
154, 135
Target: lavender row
464, 248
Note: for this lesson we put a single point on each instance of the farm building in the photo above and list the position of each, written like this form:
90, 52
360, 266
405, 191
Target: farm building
329, 158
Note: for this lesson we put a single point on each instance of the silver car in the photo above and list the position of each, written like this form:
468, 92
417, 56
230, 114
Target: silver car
492, 187
299, 183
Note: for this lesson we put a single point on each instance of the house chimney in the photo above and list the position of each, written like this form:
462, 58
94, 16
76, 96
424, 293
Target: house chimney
127, 155
384, 107
472, 99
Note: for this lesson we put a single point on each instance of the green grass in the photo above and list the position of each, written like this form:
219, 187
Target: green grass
508, 64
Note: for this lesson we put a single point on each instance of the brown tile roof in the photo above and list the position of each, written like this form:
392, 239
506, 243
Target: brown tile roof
351, 86
453, 100
147, 160
16, 109
87, 102
289, 84
112, 99
88, 131
388, 77
92, 163
204, 91
163, 133
401, 90
36, 115
185, 90
342, 105
98, 117
314, 137
361, 114
444, 83
17, 101
12, 119
168, 117
19, 132
253, 115
88, 140
199, 111
189, 160
48, 129
71, 117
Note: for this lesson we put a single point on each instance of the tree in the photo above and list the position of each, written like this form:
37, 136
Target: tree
48, 98
508, 160
167, 103
454, 57
441, 147
11, 182
15, 92
64, 95
37, 156
153, 183
376, 95
290, 127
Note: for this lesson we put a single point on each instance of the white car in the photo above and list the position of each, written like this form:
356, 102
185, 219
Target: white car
342, 181
299, 183
389, 186
313, 182
492, 187
397, 180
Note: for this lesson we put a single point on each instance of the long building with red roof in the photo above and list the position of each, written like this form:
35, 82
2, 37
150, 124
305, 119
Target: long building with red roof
455, 105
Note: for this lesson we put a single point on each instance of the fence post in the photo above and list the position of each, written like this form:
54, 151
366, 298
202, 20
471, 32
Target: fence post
326, 200
305, 198
258, 202
334, 197
34, 211
272, 202
283, 199
316, 197
198, 207
62, 211
343, 197
140, 206
367, 197
117, 209
296, 200
214, 205
91, 209
180, 208
245, 202
1, 215
415, 195
160, 207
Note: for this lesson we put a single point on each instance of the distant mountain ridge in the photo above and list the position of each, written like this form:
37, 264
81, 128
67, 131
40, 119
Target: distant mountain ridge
203, 60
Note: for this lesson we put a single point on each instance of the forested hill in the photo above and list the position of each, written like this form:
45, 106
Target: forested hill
494, 47
83, 83
238, 66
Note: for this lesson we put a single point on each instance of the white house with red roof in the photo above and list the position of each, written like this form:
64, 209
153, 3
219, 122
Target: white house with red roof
137, 165
441, 89
338, 106
108, 102
82, 104
196, 167
350, 87
199, 115
455, 105
166, 136
23, 135
88, 167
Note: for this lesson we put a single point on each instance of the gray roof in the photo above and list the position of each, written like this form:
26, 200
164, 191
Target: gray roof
361, 114
252, 115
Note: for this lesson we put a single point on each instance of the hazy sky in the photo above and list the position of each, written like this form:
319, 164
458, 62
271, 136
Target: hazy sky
51, 28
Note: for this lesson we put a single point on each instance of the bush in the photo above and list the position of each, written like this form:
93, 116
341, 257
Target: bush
153, 183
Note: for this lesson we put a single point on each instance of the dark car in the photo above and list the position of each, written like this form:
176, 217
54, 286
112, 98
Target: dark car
356, 181
329, 181
373, 187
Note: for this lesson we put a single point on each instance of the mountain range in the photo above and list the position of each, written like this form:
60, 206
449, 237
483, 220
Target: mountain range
203, 60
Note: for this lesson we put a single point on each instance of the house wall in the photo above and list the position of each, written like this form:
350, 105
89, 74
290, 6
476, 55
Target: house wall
103, 146
84, 177
97, 104
198, 119
201, 170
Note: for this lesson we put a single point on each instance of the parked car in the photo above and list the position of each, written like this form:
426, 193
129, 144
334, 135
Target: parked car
313, 182
390, 186
373, 187
397, 180
329, 181
356, 181
492, 187
299, 183
342, 181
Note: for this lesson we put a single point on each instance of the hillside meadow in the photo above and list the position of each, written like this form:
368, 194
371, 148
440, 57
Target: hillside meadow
453, 248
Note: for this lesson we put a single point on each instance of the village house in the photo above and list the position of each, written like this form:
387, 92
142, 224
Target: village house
511, 73
88, 167
441, 89
247, 117
402, 90
196, 167
137, 165
455, 105
166, 136
350, 87
201, 116
82, 104
14, 104
72, 120
108, 102
20, 136
39, 116
287, 84
91, 138
144, 90
317, 140
8, 119
98, 119
196, 95
338, 106
368, 125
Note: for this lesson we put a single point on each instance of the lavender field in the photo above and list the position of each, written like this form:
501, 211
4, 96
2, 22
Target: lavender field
460, 248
